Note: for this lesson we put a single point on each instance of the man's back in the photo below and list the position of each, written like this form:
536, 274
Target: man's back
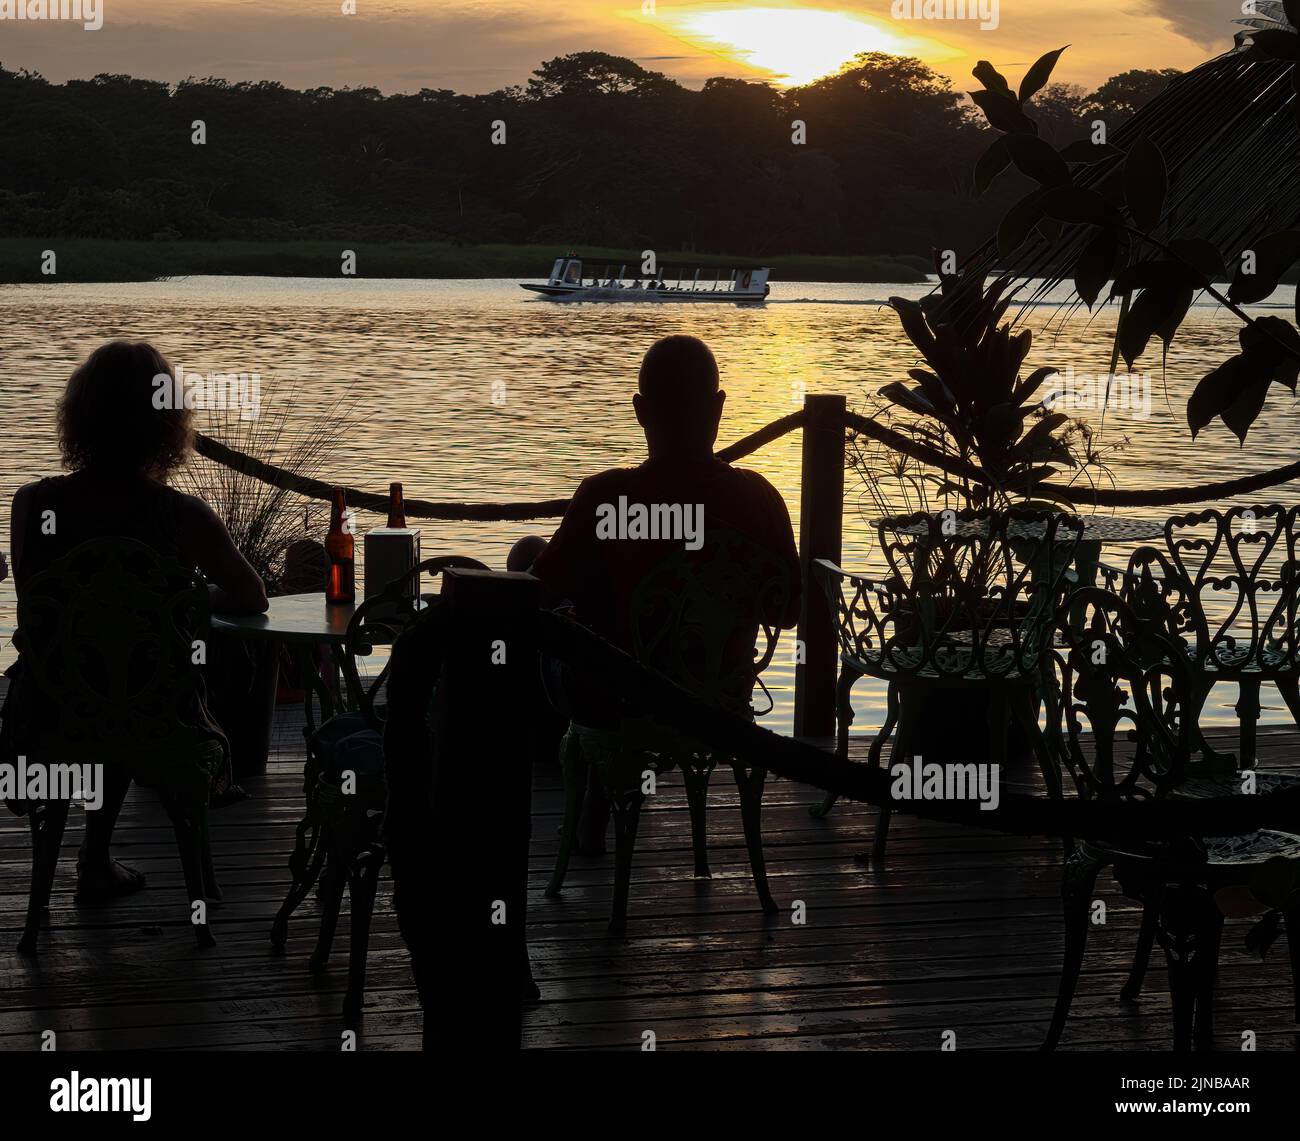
625, 522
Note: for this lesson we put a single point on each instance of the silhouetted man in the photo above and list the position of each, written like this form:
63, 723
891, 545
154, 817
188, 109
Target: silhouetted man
624, 522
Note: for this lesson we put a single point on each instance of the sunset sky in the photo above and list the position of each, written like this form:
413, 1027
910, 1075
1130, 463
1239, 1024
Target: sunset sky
481, 45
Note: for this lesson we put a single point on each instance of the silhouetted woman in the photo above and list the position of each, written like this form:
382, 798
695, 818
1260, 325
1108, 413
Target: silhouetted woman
120, 448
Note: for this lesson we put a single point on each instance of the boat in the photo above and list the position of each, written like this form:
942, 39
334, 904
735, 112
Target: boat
569, 281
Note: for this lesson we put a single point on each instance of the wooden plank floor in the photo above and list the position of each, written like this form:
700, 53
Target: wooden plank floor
960, 931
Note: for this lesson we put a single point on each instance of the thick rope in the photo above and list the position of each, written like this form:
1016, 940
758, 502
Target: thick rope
1017, 813
220, 453
553, 508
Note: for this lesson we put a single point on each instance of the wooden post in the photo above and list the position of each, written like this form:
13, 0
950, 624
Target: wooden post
482, 806
821, 532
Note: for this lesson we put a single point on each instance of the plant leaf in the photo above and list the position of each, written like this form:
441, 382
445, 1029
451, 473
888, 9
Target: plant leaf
1146, 183
1274, 255
1003, 112
1277, 44
1076, 205
1217, 390
991, 78
1202, 254
992, 163
1038, 159
1031, 384
1158, 309
1037, 76
1017, 223
908, 398
1096, 264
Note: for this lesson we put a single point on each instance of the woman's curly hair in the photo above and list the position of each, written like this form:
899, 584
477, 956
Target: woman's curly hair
118, 414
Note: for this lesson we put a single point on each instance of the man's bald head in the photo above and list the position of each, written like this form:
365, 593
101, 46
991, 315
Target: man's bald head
679, 403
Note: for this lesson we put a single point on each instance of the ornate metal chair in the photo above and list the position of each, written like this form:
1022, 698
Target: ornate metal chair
967, 604
339, 841
108, 637
1121, 692
1238, 576
694, 618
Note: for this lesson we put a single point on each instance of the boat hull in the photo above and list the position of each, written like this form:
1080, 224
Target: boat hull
596, 293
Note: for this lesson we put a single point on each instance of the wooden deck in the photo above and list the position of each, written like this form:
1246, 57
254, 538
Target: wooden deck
960, 931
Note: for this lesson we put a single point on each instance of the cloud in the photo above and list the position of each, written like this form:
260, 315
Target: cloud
1207, 23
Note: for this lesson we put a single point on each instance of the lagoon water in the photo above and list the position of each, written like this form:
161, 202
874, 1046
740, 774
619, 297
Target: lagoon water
474, 390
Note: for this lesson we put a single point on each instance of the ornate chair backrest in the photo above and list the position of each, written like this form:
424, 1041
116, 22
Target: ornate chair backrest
707, 618
378, 621
971, 594
111, 637
1118, 692
1240, 570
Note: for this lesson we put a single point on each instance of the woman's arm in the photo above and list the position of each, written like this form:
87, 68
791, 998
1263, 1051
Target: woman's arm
18, 524
239, 588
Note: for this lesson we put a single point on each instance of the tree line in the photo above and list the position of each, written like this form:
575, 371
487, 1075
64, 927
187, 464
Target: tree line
593, 150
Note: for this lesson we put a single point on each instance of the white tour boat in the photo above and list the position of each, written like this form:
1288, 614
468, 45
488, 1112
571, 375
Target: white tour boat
568, 280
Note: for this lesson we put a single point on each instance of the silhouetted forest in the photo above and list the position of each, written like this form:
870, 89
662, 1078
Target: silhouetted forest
597, 151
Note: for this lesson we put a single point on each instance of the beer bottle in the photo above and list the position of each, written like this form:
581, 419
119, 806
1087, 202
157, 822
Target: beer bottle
396, 509
341, 587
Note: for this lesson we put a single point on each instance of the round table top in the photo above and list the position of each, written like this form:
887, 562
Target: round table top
292, 618
1096, 528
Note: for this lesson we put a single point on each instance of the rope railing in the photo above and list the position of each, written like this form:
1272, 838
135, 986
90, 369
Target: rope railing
1016, 814
553, 508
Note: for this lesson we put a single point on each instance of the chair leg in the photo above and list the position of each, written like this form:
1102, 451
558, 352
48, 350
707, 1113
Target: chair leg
575, 782
750, 787
843, 722
1077, 883
363, 884
329, 895
625, 806
188, 828
1142, 957
696, 779
1248, 718
47, 822
1190, 931
909, 717
1291, 921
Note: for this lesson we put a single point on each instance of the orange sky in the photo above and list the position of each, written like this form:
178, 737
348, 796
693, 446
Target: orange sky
480, 45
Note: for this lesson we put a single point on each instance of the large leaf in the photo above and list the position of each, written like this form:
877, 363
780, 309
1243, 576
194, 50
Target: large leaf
1037, 76
1032, 383
934, 388
1003, 112
914, 325
1203, 255
1278, 44
992, 79
1018, 222
1146, 183
909, 398
1096, 264
1275, 344
1076, 205
1243, 412
1274, 255
992, 163
1159, 309
1038, 159
1218, 390
1159, 273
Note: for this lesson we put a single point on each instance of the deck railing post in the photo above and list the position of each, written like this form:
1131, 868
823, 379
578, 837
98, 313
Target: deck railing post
821, 532
482, 805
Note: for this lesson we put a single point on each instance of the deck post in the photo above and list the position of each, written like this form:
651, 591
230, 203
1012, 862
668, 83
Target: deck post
821, 533
482, 807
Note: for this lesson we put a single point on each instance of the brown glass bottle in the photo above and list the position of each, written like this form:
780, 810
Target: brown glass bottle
396, 508
341, 587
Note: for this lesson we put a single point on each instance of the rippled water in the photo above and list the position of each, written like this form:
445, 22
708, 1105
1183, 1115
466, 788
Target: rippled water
419, 360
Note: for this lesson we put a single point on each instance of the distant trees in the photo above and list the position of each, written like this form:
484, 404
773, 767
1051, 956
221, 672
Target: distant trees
597, 149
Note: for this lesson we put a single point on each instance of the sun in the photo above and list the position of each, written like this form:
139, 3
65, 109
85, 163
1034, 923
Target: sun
792, 45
